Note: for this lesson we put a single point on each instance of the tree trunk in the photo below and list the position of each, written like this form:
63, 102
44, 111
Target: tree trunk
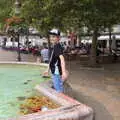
79, 37
13, 42
110, 41
93, 57
27, 42
49, 46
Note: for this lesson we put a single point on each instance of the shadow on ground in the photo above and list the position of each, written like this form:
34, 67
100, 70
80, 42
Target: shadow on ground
100, 112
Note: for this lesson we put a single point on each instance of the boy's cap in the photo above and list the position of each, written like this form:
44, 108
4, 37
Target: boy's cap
54, 32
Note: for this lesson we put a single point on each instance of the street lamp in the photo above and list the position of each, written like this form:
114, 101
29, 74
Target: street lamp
17, 31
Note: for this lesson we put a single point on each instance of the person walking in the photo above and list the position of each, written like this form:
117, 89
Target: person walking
57, 61
45, 54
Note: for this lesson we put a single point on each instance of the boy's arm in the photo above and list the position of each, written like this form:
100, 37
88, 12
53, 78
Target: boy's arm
64, 74
46, 73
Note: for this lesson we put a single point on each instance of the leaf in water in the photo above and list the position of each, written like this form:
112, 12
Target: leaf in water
25, 83
21, 98
29, 80
12, 104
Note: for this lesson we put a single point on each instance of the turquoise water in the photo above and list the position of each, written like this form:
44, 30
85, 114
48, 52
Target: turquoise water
16, 83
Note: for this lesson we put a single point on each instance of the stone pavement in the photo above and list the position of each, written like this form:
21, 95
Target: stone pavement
97, 87
6, 55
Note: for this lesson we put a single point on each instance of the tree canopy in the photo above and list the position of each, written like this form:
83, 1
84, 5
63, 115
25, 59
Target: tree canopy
64, 14
6, 7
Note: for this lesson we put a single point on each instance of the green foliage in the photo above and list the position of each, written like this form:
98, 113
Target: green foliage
5, 11
101, 13
64, 14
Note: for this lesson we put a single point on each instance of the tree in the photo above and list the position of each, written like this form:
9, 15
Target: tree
6, 7
100, 13
96, 15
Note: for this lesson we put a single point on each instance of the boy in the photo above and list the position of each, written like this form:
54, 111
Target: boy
57, 61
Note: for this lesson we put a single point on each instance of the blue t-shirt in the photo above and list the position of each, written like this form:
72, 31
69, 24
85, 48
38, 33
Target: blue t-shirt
45, 54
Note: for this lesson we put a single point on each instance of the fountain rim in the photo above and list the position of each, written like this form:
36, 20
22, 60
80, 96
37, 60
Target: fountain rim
70, 108
24, 63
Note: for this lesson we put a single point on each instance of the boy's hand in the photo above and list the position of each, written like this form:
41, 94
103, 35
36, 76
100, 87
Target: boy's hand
46, 73
64, 75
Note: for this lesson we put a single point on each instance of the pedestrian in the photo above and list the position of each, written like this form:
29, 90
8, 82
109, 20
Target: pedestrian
45, 54
57, 61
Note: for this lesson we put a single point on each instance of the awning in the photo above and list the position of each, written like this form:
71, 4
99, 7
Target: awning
106, 37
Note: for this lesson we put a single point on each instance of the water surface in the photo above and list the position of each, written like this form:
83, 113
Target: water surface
16, 83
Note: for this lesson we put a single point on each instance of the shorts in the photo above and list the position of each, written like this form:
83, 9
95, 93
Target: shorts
57, 83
